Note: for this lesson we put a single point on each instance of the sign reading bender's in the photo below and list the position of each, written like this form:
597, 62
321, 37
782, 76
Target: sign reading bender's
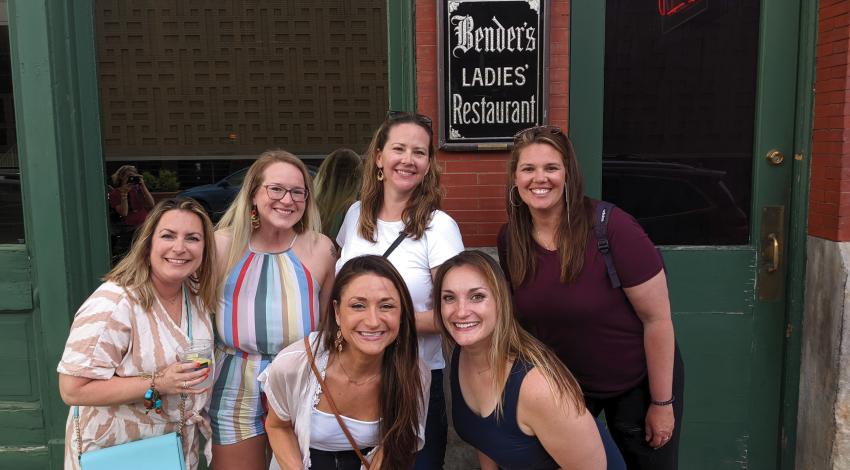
493, 65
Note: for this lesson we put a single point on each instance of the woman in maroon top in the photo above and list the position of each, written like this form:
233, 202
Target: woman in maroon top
619, 342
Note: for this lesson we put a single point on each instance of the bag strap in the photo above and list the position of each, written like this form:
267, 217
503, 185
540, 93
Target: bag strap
600, 230
331, 401
401, 236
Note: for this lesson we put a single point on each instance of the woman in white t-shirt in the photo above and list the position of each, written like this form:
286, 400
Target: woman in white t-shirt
399, 209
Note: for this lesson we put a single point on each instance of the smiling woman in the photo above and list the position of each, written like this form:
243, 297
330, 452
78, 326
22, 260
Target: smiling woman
399, 216
278, 272
373, 382
127, 337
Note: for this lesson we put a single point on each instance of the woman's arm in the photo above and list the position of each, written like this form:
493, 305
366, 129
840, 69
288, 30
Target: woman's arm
425, 321
541, 414
328, 257
124, 390
284, 442
486, 462
652, 305
146, 195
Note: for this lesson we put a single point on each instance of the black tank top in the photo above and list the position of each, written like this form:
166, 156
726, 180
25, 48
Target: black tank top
502, 440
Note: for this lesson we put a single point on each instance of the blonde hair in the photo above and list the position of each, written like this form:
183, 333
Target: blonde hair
426, 198
509, 340
576, 218
133, 273
237, 219
337, 185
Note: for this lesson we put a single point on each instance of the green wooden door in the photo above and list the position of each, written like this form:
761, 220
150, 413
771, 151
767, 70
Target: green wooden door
674, 108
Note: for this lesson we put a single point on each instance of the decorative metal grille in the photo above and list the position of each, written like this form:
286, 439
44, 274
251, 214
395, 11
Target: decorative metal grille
235, 77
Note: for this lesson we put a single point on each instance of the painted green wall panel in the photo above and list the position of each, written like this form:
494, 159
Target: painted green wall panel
16, 349
401, 60
25, 458
15, 278
23, 422
587, 87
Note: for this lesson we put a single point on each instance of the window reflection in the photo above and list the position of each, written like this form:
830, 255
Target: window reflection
679, 117
11, 209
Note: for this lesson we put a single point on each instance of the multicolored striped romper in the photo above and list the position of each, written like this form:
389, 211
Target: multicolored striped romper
270, 301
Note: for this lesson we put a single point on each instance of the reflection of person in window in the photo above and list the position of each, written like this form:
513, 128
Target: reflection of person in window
130, 197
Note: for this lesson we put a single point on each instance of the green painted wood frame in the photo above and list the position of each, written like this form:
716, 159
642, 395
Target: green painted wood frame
586, 97
401, 60
59, 143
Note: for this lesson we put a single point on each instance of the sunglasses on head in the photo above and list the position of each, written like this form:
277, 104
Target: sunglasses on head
395, 115
533, 132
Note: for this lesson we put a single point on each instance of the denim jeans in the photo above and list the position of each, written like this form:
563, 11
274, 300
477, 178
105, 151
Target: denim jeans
436, 427
625, 415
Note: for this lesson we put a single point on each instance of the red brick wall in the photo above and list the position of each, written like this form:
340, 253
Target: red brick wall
829, 197
475, 183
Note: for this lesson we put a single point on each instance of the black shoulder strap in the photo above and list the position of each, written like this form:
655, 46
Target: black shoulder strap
396, 243
600, 230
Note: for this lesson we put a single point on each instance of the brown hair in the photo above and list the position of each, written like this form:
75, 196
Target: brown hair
509, 340
337, 185
401, 396
237, 219
133, 273
426, 198
576, 218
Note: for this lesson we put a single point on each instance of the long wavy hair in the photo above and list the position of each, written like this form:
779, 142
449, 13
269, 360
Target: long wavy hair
426, 198
337, 186
510, 342
237, 219
401, 396
576, 219
133, 273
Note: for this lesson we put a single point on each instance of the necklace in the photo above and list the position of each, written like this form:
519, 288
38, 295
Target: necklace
352, 381
542, 243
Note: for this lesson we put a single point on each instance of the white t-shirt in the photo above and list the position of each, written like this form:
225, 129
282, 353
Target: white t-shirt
413, 259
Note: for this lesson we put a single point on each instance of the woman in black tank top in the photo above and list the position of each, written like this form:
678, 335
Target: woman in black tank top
513, 400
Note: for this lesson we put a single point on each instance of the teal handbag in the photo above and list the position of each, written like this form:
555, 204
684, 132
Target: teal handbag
161, 452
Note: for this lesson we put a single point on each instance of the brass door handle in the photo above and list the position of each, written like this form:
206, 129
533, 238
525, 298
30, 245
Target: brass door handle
773, 252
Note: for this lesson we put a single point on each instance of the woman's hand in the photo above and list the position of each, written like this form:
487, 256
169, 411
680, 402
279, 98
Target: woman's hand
659, 425
180, 377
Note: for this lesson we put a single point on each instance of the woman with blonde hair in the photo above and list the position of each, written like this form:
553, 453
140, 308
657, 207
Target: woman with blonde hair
337, 187
127, 338
512, 399
398, 216
278, 273
600, 304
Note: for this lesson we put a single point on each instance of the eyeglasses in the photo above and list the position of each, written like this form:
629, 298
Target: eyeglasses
396, 115
533, 132
276, 193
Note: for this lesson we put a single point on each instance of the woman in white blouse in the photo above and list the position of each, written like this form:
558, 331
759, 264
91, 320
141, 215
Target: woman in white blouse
367, 355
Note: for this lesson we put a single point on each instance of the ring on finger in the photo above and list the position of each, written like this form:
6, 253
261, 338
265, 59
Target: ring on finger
185, 385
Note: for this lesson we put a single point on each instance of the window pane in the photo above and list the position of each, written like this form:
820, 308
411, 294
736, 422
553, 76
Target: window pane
11, 210
191, 92
679, 117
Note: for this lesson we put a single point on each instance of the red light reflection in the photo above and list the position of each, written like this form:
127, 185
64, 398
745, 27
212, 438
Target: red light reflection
671, 7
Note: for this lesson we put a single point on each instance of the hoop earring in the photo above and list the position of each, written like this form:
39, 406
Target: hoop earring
339, 341
255, 219
380, 174
511, 196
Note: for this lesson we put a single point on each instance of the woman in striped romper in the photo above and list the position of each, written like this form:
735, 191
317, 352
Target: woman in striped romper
278, 272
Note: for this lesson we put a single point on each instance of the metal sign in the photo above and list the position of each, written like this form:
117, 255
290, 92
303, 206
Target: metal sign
493, 62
